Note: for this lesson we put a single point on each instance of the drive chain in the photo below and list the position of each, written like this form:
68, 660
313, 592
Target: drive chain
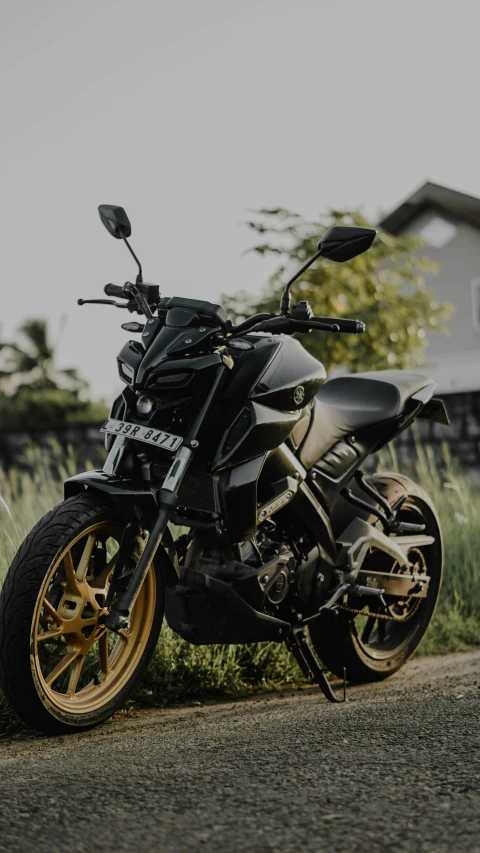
385, 616
388, 617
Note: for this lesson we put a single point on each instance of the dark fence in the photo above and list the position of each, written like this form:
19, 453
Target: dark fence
85, 440
462, 436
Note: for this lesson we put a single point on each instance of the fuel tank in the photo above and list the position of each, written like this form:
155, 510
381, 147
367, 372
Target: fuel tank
275, 379
276, 372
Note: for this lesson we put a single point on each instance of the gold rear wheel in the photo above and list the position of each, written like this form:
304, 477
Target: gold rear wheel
373, 644
60, 667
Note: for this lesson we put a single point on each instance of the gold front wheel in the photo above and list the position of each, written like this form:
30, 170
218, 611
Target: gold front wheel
78, 672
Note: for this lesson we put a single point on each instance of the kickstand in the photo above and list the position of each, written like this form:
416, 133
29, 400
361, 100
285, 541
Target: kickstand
310, 665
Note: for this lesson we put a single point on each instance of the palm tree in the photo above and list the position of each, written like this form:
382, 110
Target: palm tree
33, 390
32, 362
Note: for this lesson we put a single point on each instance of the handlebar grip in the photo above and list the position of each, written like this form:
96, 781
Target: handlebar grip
352, 327
115, 290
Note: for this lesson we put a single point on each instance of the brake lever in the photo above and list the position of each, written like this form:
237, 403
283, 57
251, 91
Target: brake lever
102, 302
139, 297
275, 325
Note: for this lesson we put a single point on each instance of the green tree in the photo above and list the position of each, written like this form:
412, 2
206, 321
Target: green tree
33, 390
33, 360
383, 287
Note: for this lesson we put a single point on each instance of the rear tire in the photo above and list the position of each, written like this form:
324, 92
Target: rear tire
59, 668
339, 641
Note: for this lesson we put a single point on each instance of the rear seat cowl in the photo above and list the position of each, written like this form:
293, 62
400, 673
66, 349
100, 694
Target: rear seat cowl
348, 403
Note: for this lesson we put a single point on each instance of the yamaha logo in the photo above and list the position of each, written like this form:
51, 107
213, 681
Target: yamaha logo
299, 395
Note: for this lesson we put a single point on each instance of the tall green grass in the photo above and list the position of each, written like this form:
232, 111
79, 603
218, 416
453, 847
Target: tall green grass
180, 671
456, 623
28, 492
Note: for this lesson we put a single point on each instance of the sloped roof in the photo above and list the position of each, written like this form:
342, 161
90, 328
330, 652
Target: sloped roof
433, 196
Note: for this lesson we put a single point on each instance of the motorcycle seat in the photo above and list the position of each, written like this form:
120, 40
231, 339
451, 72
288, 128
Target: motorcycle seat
348, 403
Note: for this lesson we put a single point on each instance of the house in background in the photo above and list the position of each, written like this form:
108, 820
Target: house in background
449, 223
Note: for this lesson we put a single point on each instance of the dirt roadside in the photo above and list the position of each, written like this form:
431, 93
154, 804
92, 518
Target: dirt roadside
396, 768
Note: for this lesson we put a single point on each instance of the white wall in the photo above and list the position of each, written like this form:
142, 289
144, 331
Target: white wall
454, 360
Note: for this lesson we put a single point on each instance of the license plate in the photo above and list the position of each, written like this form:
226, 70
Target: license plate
157, 437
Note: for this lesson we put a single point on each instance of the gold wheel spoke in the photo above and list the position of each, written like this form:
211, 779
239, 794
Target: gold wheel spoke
70, 573
85, 623
75, 672
86, 557
51, 611
103, 652
61, 666
100, 581
47, 635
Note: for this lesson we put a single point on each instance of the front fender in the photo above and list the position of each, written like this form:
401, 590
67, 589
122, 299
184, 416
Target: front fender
133, 502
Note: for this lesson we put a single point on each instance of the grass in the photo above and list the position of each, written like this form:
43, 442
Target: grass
181, 672
456, 623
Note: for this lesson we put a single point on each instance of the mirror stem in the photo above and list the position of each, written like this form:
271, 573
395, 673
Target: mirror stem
285, 301
139, 279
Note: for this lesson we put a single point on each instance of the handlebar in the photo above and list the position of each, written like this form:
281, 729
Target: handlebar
139, 297
249, 322
277, 325
352, 327
142, 298
115, 290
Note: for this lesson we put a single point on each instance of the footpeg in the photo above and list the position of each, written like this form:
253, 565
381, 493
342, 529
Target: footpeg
405, 527
346, 589
357, 589
337, 594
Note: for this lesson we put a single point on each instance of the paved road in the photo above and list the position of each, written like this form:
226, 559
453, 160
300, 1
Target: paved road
396, 769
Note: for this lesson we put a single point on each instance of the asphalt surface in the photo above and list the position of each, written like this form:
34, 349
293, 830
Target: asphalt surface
395, 769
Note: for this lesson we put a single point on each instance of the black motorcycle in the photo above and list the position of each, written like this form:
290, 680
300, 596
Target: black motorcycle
231, 434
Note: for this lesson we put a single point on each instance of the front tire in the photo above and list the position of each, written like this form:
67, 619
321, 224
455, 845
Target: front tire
370, 647
60, 669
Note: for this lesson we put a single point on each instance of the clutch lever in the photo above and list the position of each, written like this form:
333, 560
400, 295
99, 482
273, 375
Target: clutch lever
101, 302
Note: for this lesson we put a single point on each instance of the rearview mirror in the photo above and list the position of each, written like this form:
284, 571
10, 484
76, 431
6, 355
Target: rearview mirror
344, 242
115, 220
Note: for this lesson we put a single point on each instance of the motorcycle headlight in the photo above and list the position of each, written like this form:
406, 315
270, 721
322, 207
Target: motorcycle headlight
145, 405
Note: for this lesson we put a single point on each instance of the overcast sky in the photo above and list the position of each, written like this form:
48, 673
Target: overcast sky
188, 113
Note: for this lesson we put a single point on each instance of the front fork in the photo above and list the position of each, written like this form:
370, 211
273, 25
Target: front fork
167, 499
